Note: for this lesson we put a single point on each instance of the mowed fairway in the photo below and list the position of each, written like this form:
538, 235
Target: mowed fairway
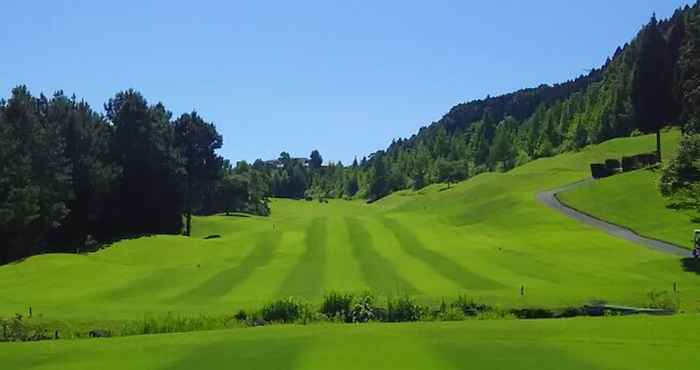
583, 343
633, 200
485, 237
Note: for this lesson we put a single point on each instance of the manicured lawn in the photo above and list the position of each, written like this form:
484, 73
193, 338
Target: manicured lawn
633, 200
584, 343
485, 237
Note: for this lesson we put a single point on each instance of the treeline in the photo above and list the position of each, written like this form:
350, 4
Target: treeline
71, 177
681, 178
641, 88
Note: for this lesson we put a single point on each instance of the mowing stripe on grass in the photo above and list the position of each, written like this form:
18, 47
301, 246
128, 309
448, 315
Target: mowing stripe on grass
437, 262
378, 271
307, 277
223, 282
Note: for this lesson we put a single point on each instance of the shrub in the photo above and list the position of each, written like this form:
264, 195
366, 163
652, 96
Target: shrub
468, 306
285, 311
449, 314
630, 163
19, 329
613, 165
598, 170
241, 315
662, 300
363, 310
403, 309
337, 306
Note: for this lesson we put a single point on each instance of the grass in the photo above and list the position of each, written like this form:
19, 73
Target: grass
584, 343
485, 237
633, 200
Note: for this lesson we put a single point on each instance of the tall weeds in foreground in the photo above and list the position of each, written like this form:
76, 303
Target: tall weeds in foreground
171, 323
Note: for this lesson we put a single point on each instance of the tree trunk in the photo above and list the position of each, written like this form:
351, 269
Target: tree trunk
658, 143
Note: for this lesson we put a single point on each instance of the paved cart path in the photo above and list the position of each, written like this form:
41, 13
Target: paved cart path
550, 199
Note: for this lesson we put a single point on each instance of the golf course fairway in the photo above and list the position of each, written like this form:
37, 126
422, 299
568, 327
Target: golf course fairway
485, 237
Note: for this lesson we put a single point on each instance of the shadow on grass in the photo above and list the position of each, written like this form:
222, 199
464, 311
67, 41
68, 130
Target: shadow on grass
691, 265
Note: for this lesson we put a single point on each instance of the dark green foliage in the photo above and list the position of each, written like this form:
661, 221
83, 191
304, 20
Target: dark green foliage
17, 329
363, 310
151, 196
613, 165
70, 177
599, 171
681, 178
403, 309
87, 136
469, 307
638, 161
35, 182
197, 141
337, 306
287, 310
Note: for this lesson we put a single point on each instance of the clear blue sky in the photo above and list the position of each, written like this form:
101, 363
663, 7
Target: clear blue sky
344, 77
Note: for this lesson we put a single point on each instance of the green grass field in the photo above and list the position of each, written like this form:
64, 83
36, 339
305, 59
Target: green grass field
583, 343
485, 237
633, 200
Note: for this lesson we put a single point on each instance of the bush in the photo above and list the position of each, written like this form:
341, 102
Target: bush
403, 309
338, 306
638, 161
285, 311
630, 163
469, 307
241, 315
598, 170
19, 329
613, 165
449, 314
364, 311
662, 300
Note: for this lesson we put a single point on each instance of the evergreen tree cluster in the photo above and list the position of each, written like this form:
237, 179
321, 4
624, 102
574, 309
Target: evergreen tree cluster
648, 83
70, 177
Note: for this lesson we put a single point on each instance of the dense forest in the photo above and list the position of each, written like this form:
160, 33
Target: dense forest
646, 84
72, 178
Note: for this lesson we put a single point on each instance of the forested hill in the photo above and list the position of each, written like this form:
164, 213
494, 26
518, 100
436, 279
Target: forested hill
644, 85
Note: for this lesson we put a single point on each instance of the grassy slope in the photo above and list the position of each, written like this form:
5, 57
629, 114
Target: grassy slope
607, 343
632, 199
484, 237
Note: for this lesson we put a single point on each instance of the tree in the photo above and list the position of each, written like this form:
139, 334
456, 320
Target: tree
87, 137
681, 178
151, 194
450, 171
315, 160
198, 141
378, 177
34, 175
652, 93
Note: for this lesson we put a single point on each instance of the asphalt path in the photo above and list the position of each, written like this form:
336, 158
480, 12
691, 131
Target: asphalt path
550, 199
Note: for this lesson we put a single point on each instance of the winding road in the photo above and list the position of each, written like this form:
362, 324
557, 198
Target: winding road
550, 199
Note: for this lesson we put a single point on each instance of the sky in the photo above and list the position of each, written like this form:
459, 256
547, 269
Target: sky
344, 77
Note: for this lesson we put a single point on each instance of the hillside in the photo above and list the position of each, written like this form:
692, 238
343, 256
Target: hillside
485, 237
646, 84
633, 200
